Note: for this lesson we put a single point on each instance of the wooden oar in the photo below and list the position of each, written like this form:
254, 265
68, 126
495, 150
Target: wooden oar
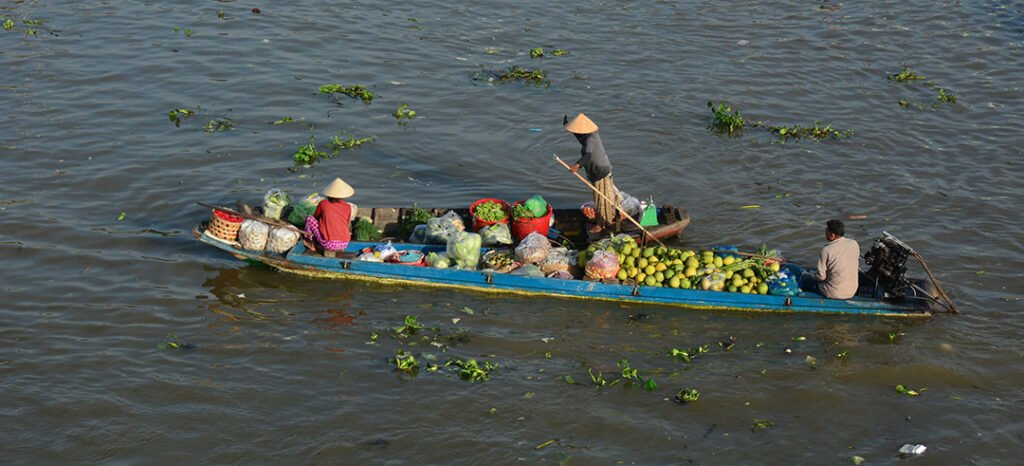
616, 204
272, 221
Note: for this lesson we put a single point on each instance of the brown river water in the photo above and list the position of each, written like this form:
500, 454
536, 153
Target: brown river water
283, 369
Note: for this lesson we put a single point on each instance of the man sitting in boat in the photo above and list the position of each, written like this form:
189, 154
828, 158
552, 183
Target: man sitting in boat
837, 274
595, 161
329, 226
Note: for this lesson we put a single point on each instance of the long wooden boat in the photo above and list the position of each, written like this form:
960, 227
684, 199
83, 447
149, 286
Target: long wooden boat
301, 261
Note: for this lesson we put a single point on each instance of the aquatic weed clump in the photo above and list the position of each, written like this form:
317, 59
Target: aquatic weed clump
726, 119
906, 75
535, 77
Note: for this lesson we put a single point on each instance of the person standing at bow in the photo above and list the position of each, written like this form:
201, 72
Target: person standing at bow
595, 161
330, 224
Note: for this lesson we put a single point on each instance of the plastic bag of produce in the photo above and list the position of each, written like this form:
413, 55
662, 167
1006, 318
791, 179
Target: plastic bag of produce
604, 264
282, 239
537, 205
495, 234
439, 229
713, 282
438, 260
274, 202
369, 257
253, 235
499, 260
464, 249
558, 259
533, 249
528, 270
783, 284
629, 204
303, 209
385, 250
419, 234
561, 275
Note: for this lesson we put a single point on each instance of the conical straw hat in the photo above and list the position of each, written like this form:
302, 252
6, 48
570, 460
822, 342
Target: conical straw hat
339, 189
581, 125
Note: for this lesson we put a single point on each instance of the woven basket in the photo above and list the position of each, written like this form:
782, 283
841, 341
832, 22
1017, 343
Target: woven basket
224, 225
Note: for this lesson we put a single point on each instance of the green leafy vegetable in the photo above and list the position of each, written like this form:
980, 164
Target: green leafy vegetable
490, 211
416, 216
365, 230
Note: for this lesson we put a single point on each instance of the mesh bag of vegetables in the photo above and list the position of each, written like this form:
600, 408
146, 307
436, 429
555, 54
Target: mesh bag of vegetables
464, 249
274, 202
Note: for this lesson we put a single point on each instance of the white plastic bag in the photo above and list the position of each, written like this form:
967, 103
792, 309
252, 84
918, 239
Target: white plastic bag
533, 249
558, 259
630, 204
496, 234
274, 202
253, 235
282, 239
385, 250
439, 229
369, 257
464, 249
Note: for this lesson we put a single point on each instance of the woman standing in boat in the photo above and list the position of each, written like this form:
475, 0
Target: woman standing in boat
329, 226
595, 161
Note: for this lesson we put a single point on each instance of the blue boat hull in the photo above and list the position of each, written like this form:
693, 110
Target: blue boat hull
297, 261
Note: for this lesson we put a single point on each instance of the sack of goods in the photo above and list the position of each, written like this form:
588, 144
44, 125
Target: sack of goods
464, 249
439, 229
253, 235
603, 265
274, 202
533, 249
282, 239
497, 234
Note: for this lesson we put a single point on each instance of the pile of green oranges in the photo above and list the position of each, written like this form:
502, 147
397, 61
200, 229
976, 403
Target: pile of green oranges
678, 268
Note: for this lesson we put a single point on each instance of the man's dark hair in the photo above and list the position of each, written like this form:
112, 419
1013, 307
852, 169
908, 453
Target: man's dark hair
835, 227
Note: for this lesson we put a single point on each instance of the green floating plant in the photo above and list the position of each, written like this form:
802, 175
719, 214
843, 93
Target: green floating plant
355, 92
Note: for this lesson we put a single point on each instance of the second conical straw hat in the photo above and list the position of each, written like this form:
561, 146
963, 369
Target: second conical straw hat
581, 125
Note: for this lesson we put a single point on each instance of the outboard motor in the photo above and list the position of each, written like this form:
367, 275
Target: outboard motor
888, 262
